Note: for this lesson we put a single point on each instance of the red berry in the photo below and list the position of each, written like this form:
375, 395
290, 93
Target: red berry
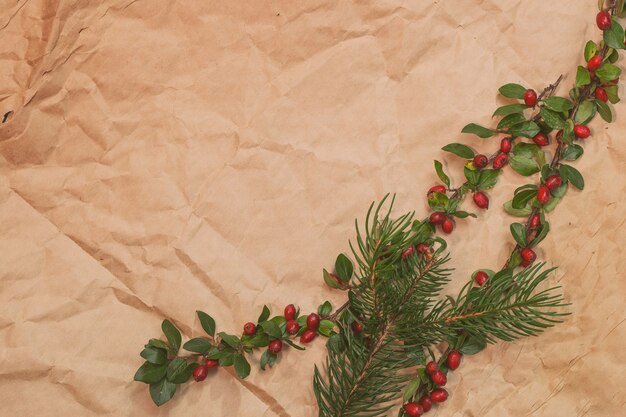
249, 328
313, 321
481, 277
437, 189
423, 248
275, 346
447, 226
413, 409
431, 367
601, 94
292, 327
553, 182
454, 359
439, 378
603, 19
594, 63
357, 327
437, 217
530, 98
541, 139
592, 74
481, 200
582, 131
210, 363
480, 161
408, 252
200, 373
524, 264
505, 145
500, 161
290, 312
535, 221
307, 336
439, 395
543, 195
426, 403
616, 81
528, 255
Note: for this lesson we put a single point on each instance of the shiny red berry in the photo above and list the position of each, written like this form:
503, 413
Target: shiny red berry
408, 252
426, 403
528, 255
582, 131
200, 373
439, 378
481, 277
500, 161
437, 217
553, 182
292, 327
524, 263
437, 189
307, 336
541, 139
481, 200
447, 226
505, 145
601, 94
480, 161
431, 367
423, 248
357, 327
413, 409
210, 363
535, 221
454, 359
275, 346
439, 395
249, 328
290, 312
603, 20
543, 195
313, 321
594, 63
530, 98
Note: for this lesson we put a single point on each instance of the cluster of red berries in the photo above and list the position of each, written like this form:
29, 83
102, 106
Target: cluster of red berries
439, 217
422, 249
201, 372
439, 379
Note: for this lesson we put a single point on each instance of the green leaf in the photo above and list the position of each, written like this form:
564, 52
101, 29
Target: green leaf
582, 77
523, 212
325, 309
511, 120
176, 367
585, 112
411, 389
438, 201
541, 233
154, 355
207, 323
326, 328
526, 129
614, 36
568, 132
472, 176
230, 340
558, 104
442, 176
613, 93
590, 50
242, 367
271, 329
344, 267
604, 110
159, 344
293, 345
523, 165
552, 119
572, 175
264, 359
198, 345
336, 344
522, 198
519, 233
226, 358
488, 178
509, 109
550, 205
150, 373
572, 152
478, 130
463, 214
512, 91
173, 335
265, 314
330, 280
609, 72
473, 345
162, 391
460, 150
260, 340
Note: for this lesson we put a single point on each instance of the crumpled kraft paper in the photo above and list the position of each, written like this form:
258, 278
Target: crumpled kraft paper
160, 157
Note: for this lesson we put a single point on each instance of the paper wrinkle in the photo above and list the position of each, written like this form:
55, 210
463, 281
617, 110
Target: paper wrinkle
170, 157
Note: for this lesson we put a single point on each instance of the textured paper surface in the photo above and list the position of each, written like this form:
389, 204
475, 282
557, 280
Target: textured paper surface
163, 157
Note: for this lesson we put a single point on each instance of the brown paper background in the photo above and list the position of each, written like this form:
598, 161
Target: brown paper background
164, 157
